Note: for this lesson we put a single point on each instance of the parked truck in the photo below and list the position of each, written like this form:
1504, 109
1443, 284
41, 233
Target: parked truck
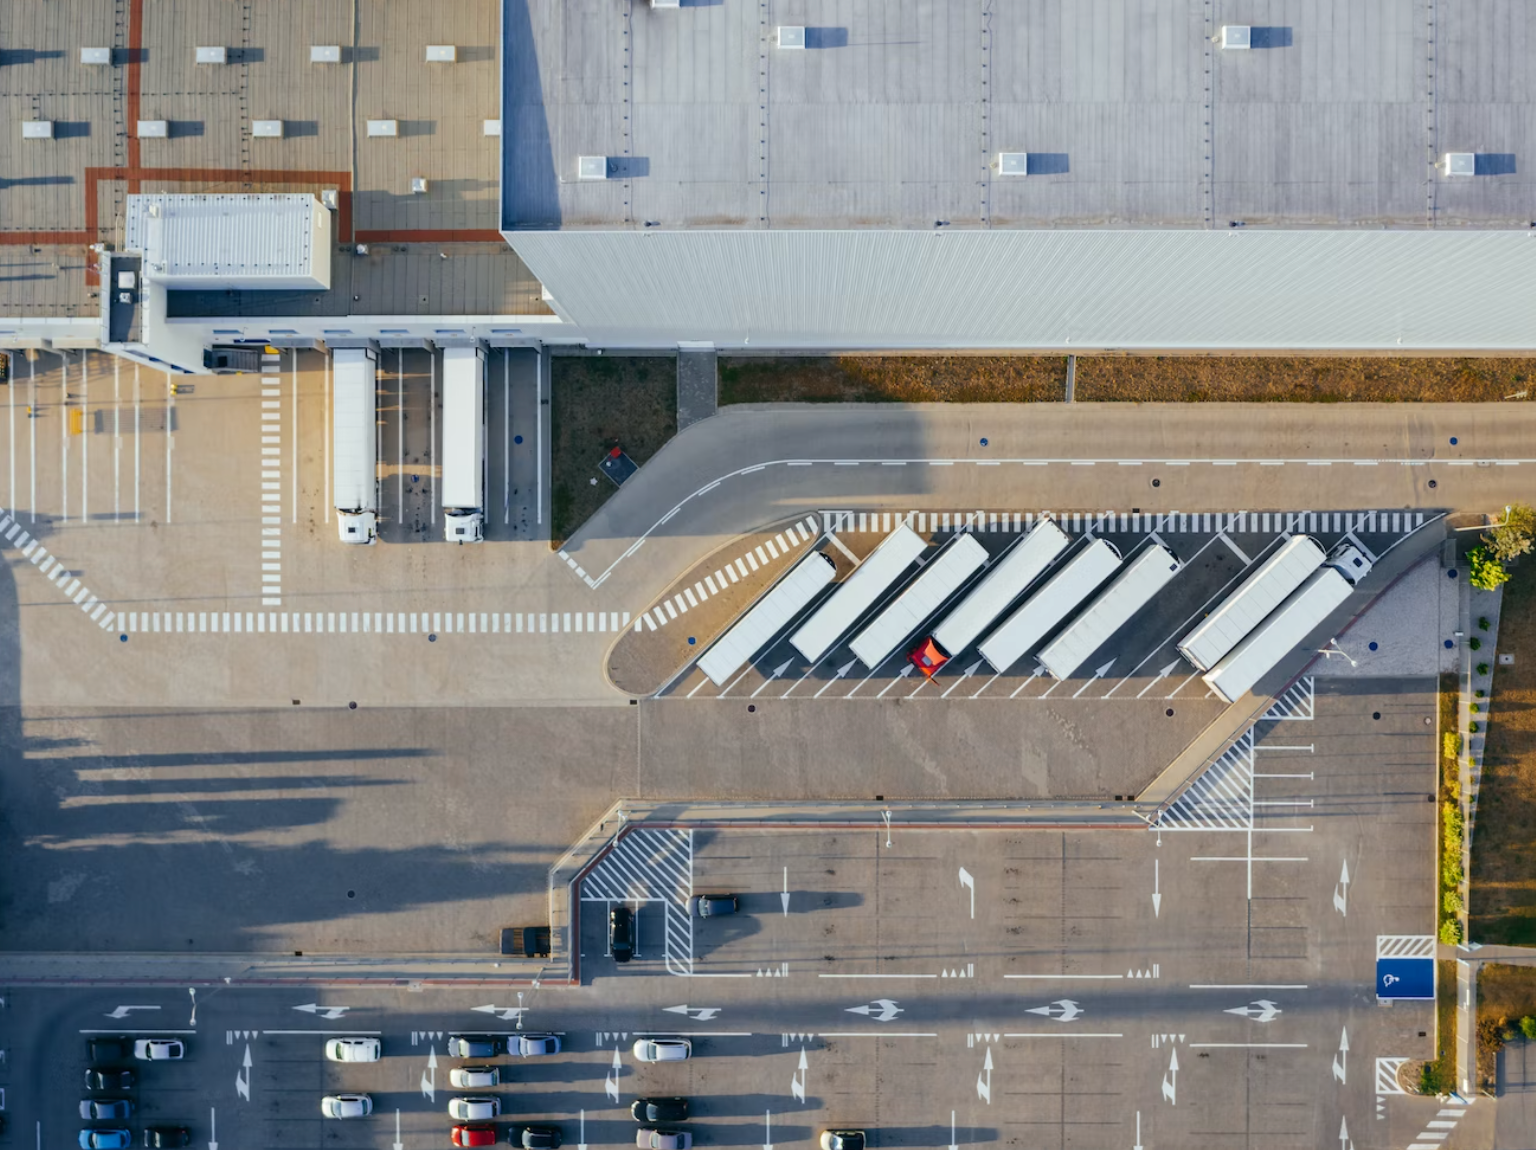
1020, 566
857, 593
463, 444
753, 631
1288, 625
1045, 610
1131, 590
356, 454
945, 574
1259, 594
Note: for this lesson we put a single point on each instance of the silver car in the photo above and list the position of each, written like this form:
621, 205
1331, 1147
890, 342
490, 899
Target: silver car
663, 1140
353, 1049
346, 1106
533, 1045
159, 1049
473, 1077
663, 1049
474, 1109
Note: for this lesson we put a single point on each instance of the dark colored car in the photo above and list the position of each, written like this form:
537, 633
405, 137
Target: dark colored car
621, 933
535, 1137
105, 1109
659, 1109
714, 905
474, 1046
109, 1078
110, 1049
166, 1137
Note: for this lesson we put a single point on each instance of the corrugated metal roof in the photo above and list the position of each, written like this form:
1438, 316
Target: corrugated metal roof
238, 239
1068, 290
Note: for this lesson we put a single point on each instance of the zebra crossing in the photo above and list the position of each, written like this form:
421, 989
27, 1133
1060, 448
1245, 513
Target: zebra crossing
431, 623
271, 481
649, 865
1221, 799
68, 584
1134, 522
1297, 702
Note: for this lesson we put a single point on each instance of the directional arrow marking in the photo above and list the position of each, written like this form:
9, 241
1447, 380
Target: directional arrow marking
881, 1010
784, 897
1261, 1011
505, 1013
429, 1076
953, 1145
1344, 1142
1171, 1080
398, 1145
767, 1130
842, 673
1138, 1145
330, 1013
1341, 892
611, 1081
581, 1138
984, 1079
1340, 1064
1157, 896
967, 880
905, 671
797, 1083
124, 1011
697, 1013
243, 1075
969, 671
1099, 674
1161, 675
1062, 1010
213, 1128
777, 673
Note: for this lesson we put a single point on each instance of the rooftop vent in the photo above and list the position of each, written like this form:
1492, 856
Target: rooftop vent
791, 36
212, 55
591, 167
418, 185
96, 55
153, 129
389, 128
666, 3
1460, 163
329, 199
442, 54
325, 53
37, 129
1236, 36
492, 127
1013, 163
267, 129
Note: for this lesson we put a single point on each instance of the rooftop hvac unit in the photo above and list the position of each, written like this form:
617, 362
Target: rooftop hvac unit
386, 128
791, 36
95, 55
37, 129
666, 3
325, 53
213, 55
1236, 36
591, 167
1461, 163
153, 129
329, 199
418, 185
442, 54
126, 280
1013, 163
492, 127
267, 129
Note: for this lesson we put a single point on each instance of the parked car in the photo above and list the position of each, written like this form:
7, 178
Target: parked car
473, 1077
105, 1109
647, 1139
714, 905
474, 1136
166, 1137
105, 1139
353, 1049
474, 1109
346, 1106
535, 1137
533, 1045
842, 1140
659, 1109
109, 1078
159, 1049
474, 1046
621, 933
663, 1049
109, 1049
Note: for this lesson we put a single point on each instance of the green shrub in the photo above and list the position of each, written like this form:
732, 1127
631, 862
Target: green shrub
1473, 728
1488, 573
1450, 744
1482, 668
1528, 1026
1483, 624
1480, 693
1475, 643
1450, 934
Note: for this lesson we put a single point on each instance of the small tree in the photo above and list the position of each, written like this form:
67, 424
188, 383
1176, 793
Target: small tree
1528, 1026
1515, 533
1488, 573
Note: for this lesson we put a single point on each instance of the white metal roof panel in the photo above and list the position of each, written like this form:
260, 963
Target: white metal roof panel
1048, 606
940, 579
463, 485
858, 592
1279, 634
1258, 595
273, 241
759, 625
1016, 570
355, 414
1132, 589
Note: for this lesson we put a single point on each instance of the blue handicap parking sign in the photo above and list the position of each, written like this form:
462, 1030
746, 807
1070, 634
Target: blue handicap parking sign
1405, 978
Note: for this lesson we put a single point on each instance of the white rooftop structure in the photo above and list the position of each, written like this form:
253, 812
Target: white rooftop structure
264, 241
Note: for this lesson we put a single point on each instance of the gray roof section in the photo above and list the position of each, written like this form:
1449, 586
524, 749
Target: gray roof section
1047, 290
893, 114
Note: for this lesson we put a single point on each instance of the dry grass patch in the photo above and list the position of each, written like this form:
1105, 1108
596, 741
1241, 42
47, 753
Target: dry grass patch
1284, 379
893, 379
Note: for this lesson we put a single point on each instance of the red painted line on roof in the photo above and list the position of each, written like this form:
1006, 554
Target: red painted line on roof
14, 239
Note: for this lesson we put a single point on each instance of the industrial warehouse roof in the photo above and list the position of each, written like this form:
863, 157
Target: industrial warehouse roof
233, 241
894, 114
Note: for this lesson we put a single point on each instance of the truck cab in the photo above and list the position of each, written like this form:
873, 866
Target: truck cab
1350, 562
463, 526
358, 526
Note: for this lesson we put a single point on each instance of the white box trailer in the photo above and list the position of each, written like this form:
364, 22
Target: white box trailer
1130, 591
463, 444
754, 630
1025, 562
941, 578
355, 450
1288, 626
1259, 594
1048, 606
858, 593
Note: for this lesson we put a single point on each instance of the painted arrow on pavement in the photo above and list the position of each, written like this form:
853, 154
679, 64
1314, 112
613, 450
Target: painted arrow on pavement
1171, 1080
429, 1076
1157, 895
1099, 674
125, 1011
767, 1130
505, 1013
213, 1128
881, 1010
902, 674
1261, 1011
611, 1081
1341, 892
784, 897
1161, 675
797, 1083
984, 1080
397, 1144
243, 1075
329, 1013
953, 1143
1340, 1064
842, 673
969, 671
778, 672
1062, 1010
581, 1137
697, 1013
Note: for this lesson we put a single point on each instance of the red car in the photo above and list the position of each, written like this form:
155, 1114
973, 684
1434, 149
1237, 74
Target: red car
474, 1135
928, 658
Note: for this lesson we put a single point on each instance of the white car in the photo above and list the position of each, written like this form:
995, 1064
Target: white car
353, 1049
159, 1049
346, 1106
663, 1049
473, 1077
474, 1109
534, 1045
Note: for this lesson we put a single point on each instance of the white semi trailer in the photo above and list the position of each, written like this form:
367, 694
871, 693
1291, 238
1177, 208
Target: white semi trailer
753, 630
355, 455
1129, 591
463, 444
1289, 624
1043, 611
858, 593
941, 578
1258, 595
